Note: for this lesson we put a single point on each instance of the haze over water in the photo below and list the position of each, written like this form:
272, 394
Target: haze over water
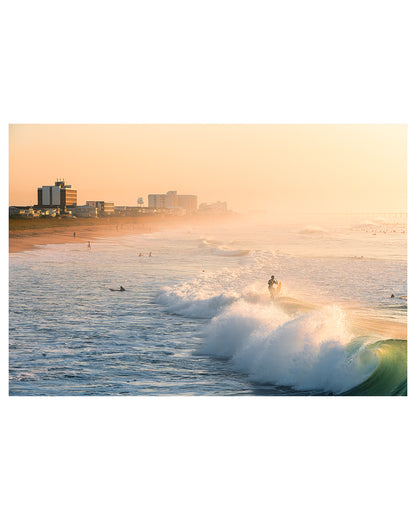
196, 317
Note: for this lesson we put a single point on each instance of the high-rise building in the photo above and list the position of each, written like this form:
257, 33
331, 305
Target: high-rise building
213, 208
163, 201
61, 195
188, 203
171, 200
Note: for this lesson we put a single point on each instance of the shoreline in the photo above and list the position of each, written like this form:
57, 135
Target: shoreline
26, 239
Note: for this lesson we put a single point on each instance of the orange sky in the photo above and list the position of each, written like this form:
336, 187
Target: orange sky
345, 168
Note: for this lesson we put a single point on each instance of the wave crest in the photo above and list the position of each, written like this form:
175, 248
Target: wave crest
312, 351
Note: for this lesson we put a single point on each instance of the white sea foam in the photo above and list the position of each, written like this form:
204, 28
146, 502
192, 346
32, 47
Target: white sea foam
186, 302
206, 295
202, 297
308, 352
221, 248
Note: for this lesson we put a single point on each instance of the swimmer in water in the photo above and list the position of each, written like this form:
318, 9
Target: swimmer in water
122, 288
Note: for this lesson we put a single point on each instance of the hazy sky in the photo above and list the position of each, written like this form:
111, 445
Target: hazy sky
344, 168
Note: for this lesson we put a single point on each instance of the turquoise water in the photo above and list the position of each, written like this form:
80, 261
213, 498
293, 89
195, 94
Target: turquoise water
197, 319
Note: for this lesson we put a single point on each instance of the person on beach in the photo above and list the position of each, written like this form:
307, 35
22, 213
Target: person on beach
89, 245
74, 234
150, 254
272, 289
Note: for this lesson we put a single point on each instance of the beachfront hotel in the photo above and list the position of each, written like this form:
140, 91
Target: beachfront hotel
61, 195
171, 200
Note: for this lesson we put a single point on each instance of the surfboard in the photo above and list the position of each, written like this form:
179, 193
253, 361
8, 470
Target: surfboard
278, 288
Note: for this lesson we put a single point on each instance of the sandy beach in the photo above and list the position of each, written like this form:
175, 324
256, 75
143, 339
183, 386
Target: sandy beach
26, 239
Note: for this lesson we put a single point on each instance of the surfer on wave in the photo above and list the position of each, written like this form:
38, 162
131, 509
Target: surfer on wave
272, 284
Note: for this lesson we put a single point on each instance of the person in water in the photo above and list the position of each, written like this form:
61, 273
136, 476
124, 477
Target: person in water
272, 284
122, 288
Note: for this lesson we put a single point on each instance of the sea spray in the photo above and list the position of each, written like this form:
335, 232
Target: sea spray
206, 295
193, 306
308, 352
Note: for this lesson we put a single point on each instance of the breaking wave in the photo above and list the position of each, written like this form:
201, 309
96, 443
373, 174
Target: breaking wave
221, 248
303, 347
311, 351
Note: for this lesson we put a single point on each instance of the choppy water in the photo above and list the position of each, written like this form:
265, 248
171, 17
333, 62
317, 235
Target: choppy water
196, 317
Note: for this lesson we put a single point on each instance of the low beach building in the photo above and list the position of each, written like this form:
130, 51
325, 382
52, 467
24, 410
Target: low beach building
129, 211
23, 211
84, 211
30, 211
103, 208
16, 211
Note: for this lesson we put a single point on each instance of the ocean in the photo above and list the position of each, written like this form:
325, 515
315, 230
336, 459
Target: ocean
197, 318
